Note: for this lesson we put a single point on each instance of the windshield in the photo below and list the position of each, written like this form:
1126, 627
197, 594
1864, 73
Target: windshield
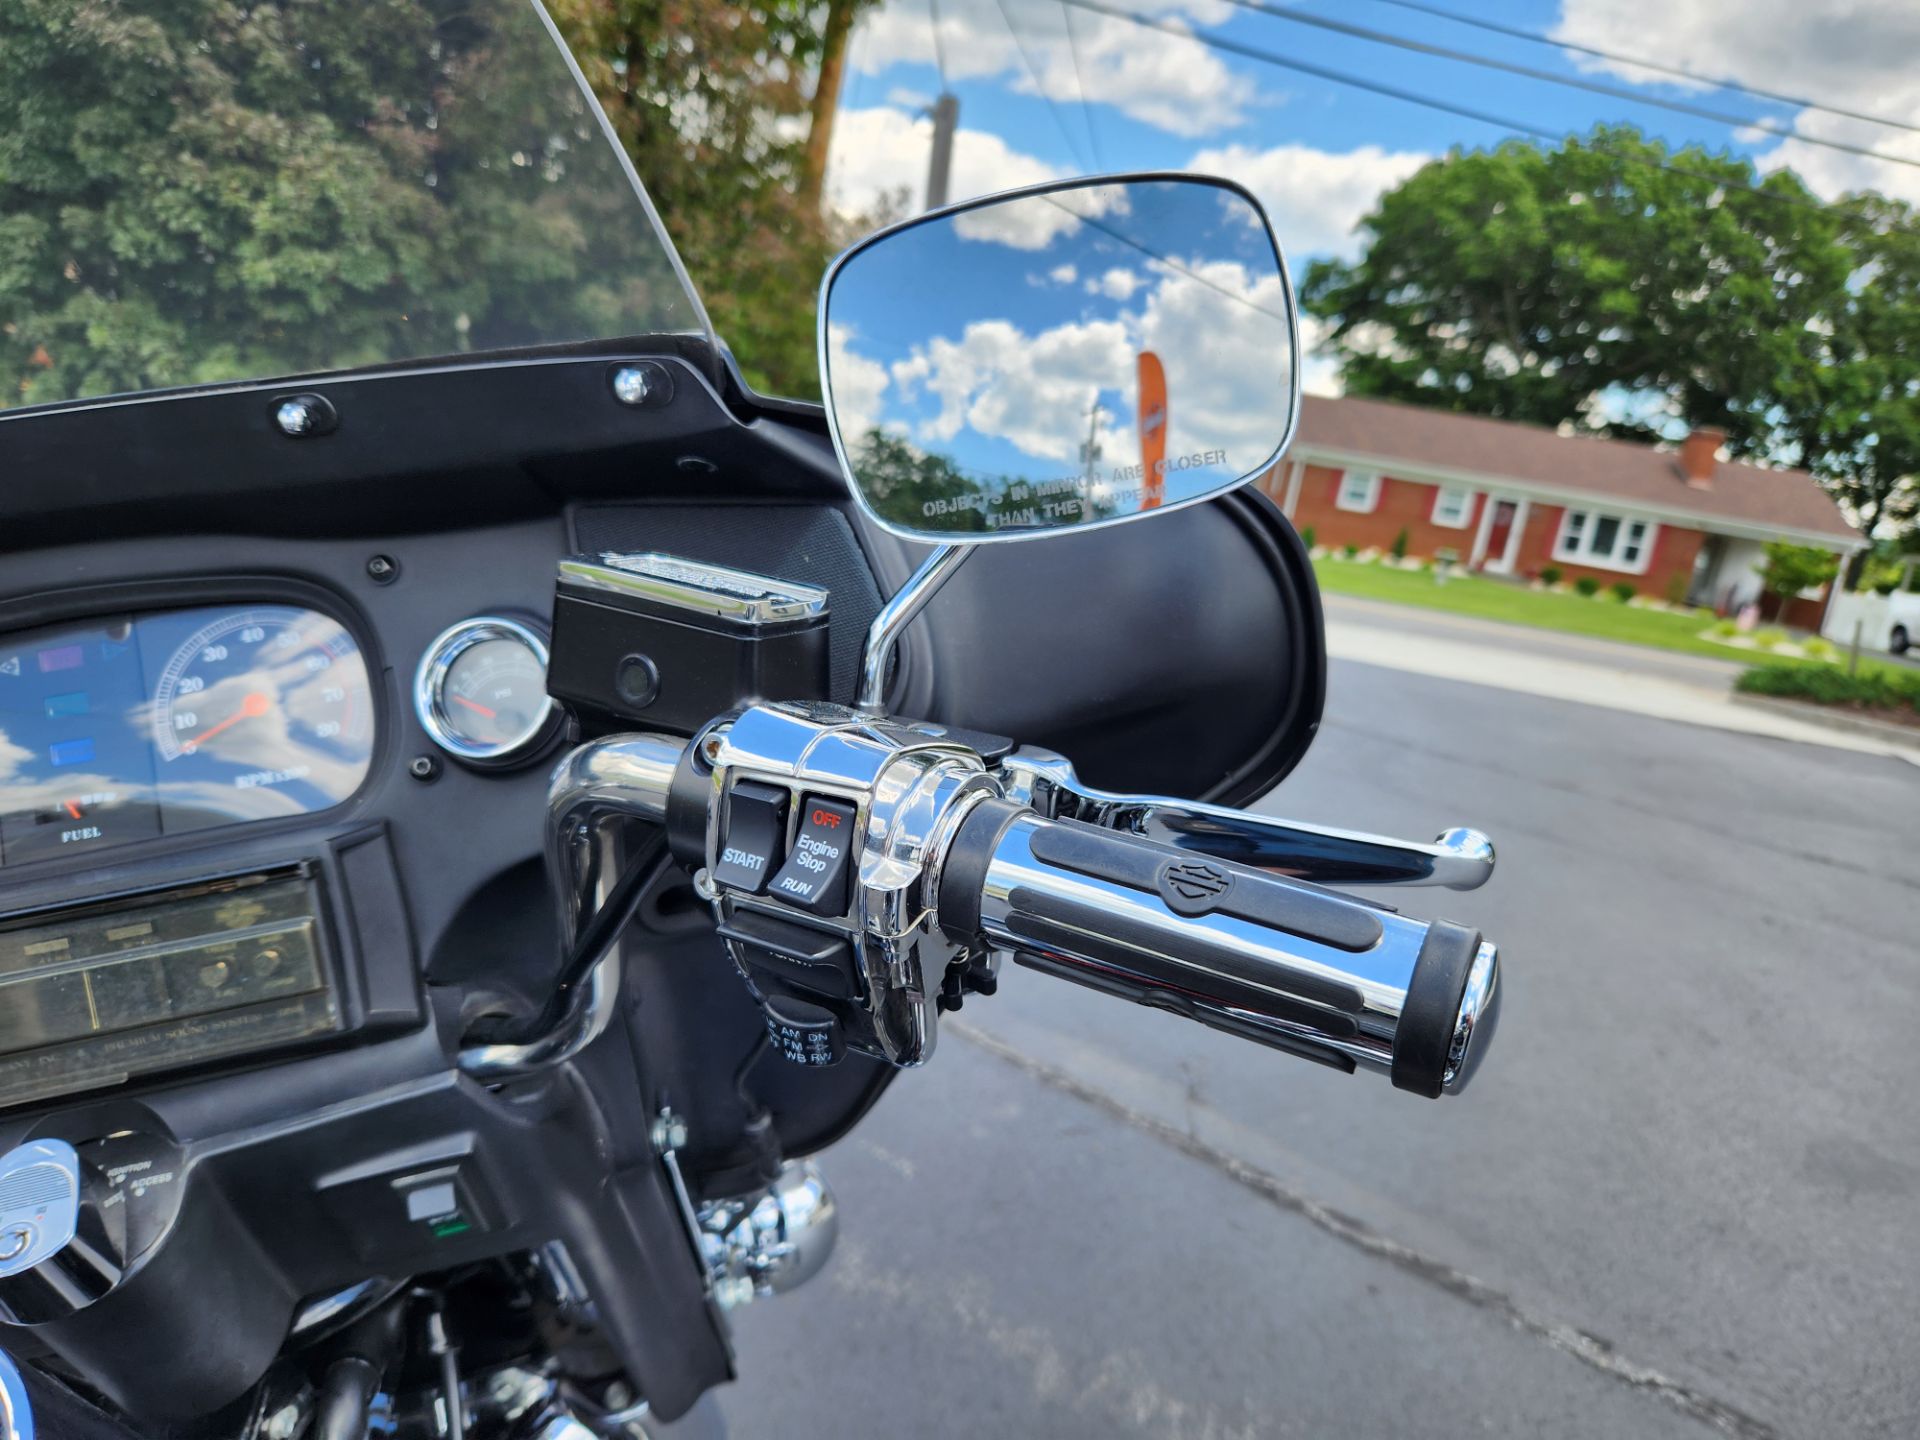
200, 191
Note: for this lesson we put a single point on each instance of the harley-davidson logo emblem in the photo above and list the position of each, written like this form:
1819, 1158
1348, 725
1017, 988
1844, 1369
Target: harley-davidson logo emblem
1195, 880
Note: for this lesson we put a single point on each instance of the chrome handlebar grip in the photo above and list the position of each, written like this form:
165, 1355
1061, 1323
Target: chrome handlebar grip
621, 777
1459, 859
1296, 967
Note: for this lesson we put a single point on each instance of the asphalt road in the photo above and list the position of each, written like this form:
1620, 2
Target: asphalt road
1680, 1199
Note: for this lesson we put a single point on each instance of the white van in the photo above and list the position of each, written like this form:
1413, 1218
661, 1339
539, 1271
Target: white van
1887, 622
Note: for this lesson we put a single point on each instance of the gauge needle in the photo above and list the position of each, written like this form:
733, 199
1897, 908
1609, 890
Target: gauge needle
256, 703
73, 809
477, 707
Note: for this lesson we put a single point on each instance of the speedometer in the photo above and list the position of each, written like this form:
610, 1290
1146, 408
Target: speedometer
262, 711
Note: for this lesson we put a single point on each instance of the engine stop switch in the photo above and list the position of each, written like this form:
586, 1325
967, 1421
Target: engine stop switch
815, 875
750, 845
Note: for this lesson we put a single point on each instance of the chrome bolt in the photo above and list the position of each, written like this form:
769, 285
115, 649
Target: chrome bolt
302, 416
630, 385
669, 1132
14, 1242
296, 417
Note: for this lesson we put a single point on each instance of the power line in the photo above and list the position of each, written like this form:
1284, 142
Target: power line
1080, 84
1657, 67
1040, 87
1572, 82
1467, 112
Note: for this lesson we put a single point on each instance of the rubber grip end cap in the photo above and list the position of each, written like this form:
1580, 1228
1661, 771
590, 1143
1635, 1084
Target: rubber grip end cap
1423, 1042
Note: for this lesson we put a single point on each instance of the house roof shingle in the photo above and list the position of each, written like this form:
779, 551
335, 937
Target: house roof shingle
1536, 457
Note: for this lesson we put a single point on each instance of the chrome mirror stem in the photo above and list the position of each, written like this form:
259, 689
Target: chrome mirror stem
894, 617
1460, 859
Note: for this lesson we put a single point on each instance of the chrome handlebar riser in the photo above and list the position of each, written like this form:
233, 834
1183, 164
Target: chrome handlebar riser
623, 777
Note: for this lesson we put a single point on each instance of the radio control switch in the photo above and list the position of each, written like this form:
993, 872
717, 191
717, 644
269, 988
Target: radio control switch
750, 845
815, 875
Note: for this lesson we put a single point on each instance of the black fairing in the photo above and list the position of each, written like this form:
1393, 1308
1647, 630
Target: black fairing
1180, 656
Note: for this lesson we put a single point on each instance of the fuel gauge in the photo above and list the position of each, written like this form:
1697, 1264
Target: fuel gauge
481, 691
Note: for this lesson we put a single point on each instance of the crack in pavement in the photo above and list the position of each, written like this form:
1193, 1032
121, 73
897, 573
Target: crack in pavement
1591, 1350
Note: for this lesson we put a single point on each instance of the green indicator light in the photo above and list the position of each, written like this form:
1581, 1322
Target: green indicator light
447, 1229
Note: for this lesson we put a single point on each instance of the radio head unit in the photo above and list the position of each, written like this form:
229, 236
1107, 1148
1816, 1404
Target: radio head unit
98, 993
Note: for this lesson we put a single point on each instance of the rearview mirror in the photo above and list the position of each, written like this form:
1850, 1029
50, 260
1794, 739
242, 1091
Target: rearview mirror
1064, 357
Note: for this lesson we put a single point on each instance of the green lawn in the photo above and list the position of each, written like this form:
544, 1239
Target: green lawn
1603, 617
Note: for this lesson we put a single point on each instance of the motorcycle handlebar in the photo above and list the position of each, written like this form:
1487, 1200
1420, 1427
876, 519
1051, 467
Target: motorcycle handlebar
1294, 966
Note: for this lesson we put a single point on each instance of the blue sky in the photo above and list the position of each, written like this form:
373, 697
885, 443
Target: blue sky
1118, 96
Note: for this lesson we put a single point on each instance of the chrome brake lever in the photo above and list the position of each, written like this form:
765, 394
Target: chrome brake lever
1460, 858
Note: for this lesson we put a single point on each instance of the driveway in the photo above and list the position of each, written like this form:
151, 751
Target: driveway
1679, 1200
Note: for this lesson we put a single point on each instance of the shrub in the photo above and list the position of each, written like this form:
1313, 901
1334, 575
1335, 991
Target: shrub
1550, 574
1726, 629
1400, 544
1307, 538
1816, 647
1767, 639
1677, 589
1827, 685
1350, 551
1587, 586
1622, 591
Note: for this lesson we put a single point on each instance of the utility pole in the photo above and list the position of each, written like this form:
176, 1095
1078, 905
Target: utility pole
946, 119
1090, 451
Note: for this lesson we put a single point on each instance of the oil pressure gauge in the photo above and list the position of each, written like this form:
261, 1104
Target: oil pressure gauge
481, 691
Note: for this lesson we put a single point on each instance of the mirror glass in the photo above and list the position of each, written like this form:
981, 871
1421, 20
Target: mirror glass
1061, 359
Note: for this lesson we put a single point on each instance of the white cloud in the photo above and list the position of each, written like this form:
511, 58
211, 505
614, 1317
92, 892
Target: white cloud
1063, 274
1313, 197
1830, 173
1862, 59
1174, 84
1116, 284
858, 382
878, 152
1784, 45
1222, 334
1219, 332
1319, 366
1036, 221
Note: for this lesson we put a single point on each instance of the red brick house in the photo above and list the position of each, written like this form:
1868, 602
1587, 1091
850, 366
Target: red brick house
1509, 499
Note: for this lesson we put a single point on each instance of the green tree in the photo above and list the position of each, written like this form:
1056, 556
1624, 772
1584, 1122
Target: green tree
715, 102
205, 190
1852, 406
1525, 282
900, 480
1791, 568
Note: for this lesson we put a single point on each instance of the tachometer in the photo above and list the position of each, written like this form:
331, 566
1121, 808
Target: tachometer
481, 691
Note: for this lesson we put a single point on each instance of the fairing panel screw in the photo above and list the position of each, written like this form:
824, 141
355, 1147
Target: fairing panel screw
382, 569
423, 767
631, 385
301, 416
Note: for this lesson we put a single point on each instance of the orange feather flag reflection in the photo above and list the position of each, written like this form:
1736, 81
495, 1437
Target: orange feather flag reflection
1153, 429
